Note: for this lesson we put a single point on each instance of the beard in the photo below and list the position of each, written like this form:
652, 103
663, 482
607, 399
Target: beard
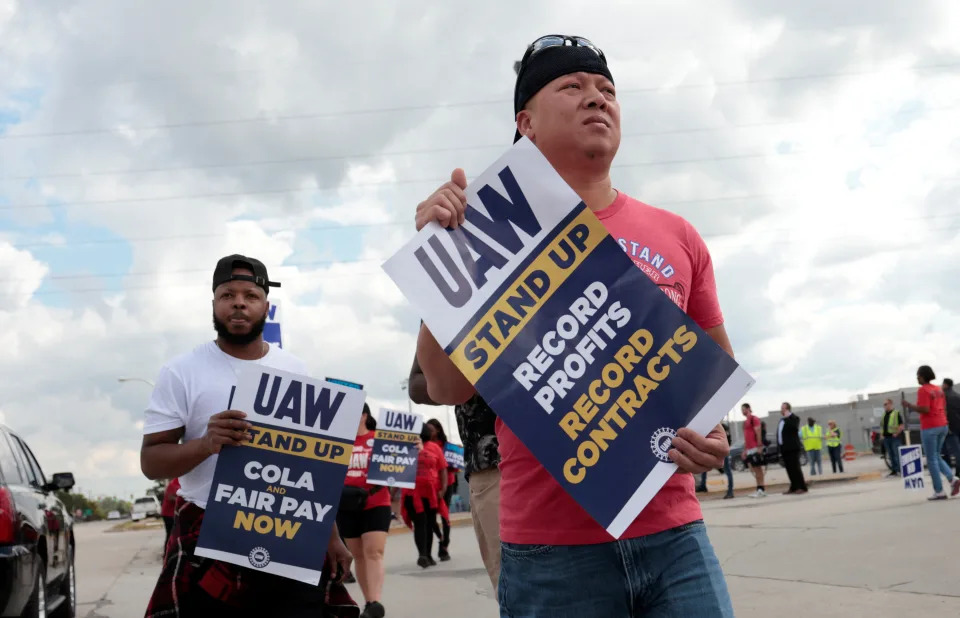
223, 331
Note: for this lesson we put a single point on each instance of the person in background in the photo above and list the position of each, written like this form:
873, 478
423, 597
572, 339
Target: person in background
892, 428
835, 446
932, 407
753, 447
812, 436
727, 469
169, 508
476, 423
442, 529
421, 503
788, 438
365, 530
952, 443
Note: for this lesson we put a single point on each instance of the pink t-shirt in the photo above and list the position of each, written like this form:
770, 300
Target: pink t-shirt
534, 508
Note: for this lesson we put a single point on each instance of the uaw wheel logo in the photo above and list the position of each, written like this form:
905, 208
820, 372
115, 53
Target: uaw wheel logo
391, 481
660, 443
259, 557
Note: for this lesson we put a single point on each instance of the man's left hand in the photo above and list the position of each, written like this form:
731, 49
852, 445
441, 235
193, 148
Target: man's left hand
695, 454
341, 557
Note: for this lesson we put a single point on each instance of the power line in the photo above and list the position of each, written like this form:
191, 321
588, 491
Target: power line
401, 153
706, 236
453, 105
389, 183
110, 241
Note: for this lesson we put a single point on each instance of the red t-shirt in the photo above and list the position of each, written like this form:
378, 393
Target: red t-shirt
750, 432
534, 508
168, 508
932, 397
357, 471
430, 465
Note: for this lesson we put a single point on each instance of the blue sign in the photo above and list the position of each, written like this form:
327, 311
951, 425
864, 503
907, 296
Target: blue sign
393, 461
273, 500
271, 329
911, 466
584, 357
454, 455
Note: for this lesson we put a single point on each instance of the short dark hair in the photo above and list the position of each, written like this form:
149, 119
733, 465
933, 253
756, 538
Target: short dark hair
789, 407
926, 373
747, 406
947, 383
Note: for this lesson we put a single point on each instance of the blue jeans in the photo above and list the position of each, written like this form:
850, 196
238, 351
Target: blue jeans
671, 573
892, 444
932, 441
816, 460
728, 469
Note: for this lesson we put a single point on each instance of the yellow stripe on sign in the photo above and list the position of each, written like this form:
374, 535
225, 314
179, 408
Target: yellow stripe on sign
397, 436
301, 445
530, 290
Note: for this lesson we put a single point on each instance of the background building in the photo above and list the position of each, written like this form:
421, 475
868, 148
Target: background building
856, 419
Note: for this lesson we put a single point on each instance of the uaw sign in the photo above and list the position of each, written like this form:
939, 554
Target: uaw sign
911, 466
574, 347
274, 499
394, 459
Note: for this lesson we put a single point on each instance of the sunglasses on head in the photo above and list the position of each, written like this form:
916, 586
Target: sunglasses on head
559, 40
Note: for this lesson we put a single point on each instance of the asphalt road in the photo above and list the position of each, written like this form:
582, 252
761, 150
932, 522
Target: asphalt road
864, 548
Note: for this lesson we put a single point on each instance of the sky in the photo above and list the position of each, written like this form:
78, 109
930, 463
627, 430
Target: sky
813, 145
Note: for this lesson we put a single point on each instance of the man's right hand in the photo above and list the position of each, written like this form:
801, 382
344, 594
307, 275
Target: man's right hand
226, 428
446, 205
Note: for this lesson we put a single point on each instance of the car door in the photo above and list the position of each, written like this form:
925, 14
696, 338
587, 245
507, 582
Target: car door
54, 518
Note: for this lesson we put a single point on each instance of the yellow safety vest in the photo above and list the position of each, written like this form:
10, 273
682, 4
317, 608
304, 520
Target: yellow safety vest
812, 437
893, 422
834, 437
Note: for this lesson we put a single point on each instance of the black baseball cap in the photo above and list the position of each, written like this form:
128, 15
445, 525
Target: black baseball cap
223, 273
550, 57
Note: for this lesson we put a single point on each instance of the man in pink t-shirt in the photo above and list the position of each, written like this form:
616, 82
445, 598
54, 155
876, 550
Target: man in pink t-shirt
753, 447
556, 561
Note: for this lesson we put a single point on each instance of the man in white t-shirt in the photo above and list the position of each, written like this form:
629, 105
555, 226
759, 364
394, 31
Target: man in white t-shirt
187, 423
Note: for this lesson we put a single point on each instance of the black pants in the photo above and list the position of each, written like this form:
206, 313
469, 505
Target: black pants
836, 457
442, 526
791, 461
423, 525
168, 524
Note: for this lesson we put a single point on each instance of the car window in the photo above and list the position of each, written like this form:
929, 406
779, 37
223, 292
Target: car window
32, 468
9, 466
29, 476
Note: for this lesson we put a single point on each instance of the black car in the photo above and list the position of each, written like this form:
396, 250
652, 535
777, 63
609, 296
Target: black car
37, 576
771, 455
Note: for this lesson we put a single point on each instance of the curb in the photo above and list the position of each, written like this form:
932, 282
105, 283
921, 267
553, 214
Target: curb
777, 487
464, 519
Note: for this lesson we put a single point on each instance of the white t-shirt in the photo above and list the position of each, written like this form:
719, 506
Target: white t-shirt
192, 388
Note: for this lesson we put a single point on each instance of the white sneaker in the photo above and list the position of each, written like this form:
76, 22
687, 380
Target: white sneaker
758, 494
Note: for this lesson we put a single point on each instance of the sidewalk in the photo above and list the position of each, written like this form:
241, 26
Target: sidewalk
865, 467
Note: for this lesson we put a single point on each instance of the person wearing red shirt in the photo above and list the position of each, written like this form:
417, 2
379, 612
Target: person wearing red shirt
365, 531
753, 448
555, 559
932, 406
168, 508
423, 501
443, 508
